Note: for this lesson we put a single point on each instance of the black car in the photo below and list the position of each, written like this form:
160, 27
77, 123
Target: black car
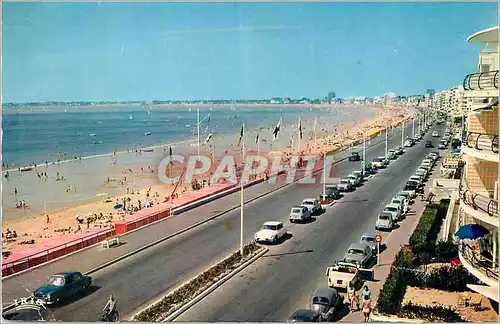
429, 144
304, 315
413, 185
331, 192
354, 157
63, 286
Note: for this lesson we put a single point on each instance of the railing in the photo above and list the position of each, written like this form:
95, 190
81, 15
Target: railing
481, 81
482, 141
54, 252
480, 262
478, 201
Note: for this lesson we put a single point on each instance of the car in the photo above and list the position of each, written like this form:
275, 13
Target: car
391, 154
369, 239
402, 202
304, 315
355, 181
331, 192
417, 137
326, 301
378, 162
359, 254
384, 221
433, 156
428, 162
443, 144
342, 274
63, 286
425, 167
422, 173
345, 185
456, 152
358, 174
435, 134
354, 157
429, 144
413, 185
270, 232
399, 150
406, 194
395, 210
299, 214
313, 205
408, 143
369, 169
416, 178
385, 160
27, 309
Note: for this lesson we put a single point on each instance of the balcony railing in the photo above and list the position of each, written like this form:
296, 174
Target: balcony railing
478, 201
482, 142
481, 262
481, 81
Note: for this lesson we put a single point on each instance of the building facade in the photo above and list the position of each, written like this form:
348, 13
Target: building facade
479, 184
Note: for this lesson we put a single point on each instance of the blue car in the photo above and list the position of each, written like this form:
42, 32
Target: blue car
369, 169
63, 286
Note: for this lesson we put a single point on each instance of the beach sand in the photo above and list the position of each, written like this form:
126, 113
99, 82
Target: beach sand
98, 178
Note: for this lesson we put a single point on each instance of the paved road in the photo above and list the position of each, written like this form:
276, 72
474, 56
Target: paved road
281, 281
141, 278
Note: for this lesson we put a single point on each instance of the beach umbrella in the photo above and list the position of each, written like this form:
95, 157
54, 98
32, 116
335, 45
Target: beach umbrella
118, 206
471, 231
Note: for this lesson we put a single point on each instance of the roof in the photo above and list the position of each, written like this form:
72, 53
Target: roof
368, 235
308, 199
357, 246
273, 223
488, 35
325, 292
309, 313
65, 273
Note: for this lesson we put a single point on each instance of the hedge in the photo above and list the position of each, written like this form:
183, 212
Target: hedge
188, 291
448, 278
430, 313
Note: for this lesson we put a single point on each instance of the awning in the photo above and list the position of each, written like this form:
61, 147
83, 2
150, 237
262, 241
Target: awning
471, 231
488, 291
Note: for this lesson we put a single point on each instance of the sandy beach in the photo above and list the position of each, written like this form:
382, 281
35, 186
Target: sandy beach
90, 188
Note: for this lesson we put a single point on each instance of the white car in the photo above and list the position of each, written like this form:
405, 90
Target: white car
395, 210
435, 134
354, 180
384, 221
299, 214
312, 204
402, 202
422, 173
391, 154
271, 232
408, 143
428, 162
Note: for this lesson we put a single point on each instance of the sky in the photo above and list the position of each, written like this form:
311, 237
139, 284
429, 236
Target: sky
188, 51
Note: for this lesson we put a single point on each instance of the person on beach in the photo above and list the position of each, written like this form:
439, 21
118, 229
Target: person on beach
367, 308
48, 219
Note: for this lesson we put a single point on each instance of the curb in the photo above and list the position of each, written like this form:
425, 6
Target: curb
329, 205
392, 319
210, 289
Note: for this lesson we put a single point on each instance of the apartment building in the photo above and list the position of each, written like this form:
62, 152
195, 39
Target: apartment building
479, 184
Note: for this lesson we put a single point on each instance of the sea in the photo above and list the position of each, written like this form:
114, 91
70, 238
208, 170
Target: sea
34, 135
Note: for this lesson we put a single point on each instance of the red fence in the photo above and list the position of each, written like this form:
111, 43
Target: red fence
55, 252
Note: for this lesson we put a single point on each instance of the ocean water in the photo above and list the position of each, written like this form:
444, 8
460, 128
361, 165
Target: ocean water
36, 135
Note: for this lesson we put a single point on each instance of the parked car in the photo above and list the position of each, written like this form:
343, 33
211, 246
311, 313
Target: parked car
271, 232
345, 185
313, 205
369, 169
378, 162
433, 156
355, 181
299, 214
422, 173
342, 274
417, 178
428, 162
413, 185
359, 254
435, 134
63, 286
395, 210
391, 154
408, 143
429, 144
369, 239
409, 194
326, 301
354, 157
358, 174
331, 192
399, 150
384, 221
402, 202
443, 144
304, 315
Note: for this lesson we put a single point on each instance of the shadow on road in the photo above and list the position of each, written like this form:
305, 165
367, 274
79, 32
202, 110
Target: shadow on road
92, 289
287, 253
341, 313
352, 200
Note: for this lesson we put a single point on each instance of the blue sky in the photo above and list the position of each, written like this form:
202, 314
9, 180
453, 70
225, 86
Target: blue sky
147, 51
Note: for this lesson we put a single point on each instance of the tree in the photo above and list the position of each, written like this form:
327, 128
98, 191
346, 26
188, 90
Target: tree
331, 95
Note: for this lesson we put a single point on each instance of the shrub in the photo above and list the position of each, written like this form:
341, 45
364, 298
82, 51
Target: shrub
429, 313
190, 290
392, 293
418, 239
445, 251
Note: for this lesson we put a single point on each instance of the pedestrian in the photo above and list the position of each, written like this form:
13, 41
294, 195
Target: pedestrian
15, 191
48, 219
352, 297
367, 292
367, 308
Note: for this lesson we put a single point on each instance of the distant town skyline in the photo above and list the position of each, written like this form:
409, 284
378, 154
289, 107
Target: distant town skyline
208, 51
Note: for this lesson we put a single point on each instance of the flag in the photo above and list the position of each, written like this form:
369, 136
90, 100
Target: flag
241, 135
257, 138
170, 152
208, 138
277, 129
300, 128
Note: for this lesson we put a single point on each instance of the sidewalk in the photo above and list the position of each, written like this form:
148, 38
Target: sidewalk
394, 241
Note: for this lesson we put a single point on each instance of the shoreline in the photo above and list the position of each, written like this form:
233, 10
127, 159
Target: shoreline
62, 217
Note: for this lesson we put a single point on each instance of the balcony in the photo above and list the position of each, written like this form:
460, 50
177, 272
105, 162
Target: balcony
481, 146
478, 205
481, 81
480, 266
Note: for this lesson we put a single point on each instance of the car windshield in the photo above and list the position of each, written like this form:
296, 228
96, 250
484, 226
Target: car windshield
397, 201
412, 183
378, 160
297, 210
56, 281
368, 239
383, 217
351, 177
344, 181
269, 227
391, 209
320, 300
355, 251
306, 202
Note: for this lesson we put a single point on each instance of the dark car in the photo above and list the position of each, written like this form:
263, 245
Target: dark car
304, 315
331, 192
369, 169
326, 301
63, 286
28, 310
429, 144
413, 185
354, 157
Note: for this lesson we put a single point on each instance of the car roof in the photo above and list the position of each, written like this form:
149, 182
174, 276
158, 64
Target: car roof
65, 273
391, 205
273, 223
397, 198
324, 292
313, 199
361, 246
302, 207
304, 312
368, 235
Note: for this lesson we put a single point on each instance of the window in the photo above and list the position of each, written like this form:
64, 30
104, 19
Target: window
56, 281
279, 226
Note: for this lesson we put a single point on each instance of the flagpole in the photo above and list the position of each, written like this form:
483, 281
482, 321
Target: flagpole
198, 127
258, 144
386, 142
402, 134
298, 139
324, 176
241, 191
315, 122
364, 155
